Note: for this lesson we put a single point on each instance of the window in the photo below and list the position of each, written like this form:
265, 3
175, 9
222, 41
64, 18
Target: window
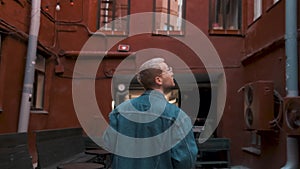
1, 85
37, 102
113, 16
257, 9
169, 16
225, 16
0, 47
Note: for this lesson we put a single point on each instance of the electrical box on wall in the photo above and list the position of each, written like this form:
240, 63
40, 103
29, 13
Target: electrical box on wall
291, 116
258, 105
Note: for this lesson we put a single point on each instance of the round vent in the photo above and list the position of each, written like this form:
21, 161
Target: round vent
248, 117
249, 95
292, 113
248, 114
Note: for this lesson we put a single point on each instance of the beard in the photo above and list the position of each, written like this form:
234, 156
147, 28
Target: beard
168, 88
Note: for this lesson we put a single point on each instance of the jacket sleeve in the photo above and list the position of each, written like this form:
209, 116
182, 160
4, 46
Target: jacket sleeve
184, 153
110, 135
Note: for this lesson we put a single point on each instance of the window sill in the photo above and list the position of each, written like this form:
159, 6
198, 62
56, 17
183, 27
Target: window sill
167, 33
225, 32
113, 33
39, 112
252, 150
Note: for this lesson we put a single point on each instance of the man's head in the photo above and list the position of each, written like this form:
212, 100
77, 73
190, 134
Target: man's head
156, 74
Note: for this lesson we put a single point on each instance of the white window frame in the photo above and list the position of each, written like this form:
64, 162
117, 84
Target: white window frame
166, 27
257, 9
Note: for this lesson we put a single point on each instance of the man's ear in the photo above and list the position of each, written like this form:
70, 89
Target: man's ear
158, 80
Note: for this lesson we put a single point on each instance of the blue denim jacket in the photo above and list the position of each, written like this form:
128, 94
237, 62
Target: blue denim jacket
150, 137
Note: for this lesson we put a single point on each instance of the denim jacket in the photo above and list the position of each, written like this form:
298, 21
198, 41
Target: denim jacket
142, 136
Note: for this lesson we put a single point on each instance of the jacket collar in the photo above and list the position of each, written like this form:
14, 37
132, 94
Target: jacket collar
155, 93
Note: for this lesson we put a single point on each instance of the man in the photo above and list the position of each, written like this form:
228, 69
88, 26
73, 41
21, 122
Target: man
148, 132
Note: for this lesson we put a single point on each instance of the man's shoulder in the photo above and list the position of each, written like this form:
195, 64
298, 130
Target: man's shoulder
172, 107
131, 105
122, 106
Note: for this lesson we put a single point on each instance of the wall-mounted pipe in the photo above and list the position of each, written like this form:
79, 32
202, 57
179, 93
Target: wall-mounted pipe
29, 69
292, 154
291, 48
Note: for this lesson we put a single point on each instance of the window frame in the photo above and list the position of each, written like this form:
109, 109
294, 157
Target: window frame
1, 85
112, 31
224, 30
1, 47
257, 9
168, 31
38, 100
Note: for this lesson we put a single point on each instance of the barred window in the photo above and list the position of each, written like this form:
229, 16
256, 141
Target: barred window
113, 16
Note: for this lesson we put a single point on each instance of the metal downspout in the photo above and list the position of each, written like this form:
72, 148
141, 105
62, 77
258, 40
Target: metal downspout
29, 69
291, 74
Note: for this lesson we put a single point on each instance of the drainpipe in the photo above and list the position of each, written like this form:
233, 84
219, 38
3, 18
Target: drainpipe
291, 48
29, 69
291, 74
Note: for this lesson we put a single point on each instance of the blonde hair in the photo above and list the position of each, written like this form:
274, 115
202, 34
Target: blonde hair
154, 63
148, 71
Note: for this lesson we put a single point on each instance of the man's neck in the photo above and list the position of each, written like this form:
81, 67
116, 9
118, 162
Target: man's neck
159, 90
